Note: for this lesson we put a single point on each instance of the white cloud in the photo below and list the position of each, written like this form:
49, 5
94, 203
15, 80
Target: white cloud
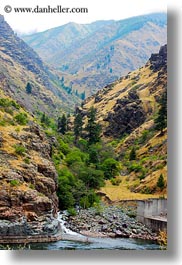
97, 10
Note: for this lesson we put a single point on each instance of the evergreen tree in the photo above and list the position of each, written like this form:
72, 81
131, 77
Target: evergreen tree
78, 123
62, 124
45, 119
160, 182
132, 154
28, 88
82, 96
161, 120
93, 129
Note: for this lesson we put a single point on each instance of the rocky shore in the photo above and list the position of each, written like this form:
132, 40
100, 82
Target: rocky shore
109, 221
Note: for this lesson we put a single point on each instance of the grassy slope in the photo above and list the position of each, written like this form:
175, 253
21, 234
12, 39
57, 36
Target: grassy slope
151, 150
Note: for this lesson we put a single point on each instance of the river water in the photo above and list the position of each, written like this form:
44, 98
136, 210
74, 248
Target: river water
72, 240
98, 243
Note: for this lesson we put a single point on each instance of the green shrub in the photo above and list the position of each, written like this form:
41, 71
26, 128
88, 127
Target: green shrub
2, 123
9, 111
17, 129
15, 105
131, 214
146, 190
84, 202
135, 167
72, 211
110, 167
27, 160
159, 166
76, 156
21, 118
19, 149
142, 176
98, 208
132, 155
32, 186
5, 102
14, 182
64, 147
144, 137
115, 181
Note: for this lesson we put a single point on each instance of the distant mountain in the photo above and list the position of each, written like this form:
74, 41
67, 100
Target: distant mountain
92, 55
20, 65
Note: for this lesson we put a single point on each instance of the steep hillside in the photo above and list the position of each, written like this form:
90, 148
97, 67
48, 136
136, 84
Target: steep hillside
93, 55
20, 65
126, 110
28, 179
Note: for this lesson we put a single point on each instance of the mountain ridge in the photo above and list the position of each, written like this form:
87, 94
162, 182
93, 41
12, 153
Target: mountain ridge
92, 61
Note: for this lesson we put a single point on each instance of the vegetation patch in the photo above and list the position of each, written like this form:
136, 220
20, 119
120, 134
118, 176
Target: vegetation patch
19, 149
14, 182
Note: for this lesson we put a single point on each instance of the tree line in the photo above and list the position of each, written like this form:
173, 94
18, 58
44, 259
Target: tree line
83, 161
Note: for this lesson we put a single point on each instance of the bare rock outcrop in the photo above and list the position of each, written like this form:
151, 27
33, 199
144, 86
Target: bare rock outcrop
28, 200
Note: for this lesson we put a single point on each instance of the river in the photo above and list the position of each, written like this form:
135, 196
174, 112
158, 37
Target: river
72, 241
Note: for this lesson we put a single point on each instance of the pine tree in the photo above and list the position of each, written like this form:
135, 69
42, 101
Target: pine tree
161, 120
93, 129
160, 182
82, 96
62, 124
45, 119
78, 123
132, 154
28, 88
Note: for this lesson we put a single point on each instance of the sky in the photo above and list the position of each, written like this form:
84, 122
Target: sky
97, 10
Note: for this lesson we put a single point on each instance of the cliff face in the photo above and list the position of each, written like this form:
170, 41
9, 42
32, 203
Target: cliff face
126, 104
28, 179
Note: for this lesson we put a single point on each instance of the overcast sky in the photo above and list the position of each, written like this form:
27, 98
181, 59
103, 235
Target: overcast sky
97, 10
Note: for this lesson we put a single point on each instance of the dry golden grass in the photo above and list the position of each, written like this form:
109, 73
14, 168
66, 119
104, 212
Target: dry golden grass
154, 141
9, 141
121, 192
162, 239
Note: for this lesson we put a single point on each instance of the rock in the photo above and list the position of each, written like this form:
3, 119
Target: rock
127, 115
107, 226
134, 231
47, 169
101, 222
104, 228
118, 233
159, 60
1, 140
31, 216
124, 225
114, 216
51, 227
28, 200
